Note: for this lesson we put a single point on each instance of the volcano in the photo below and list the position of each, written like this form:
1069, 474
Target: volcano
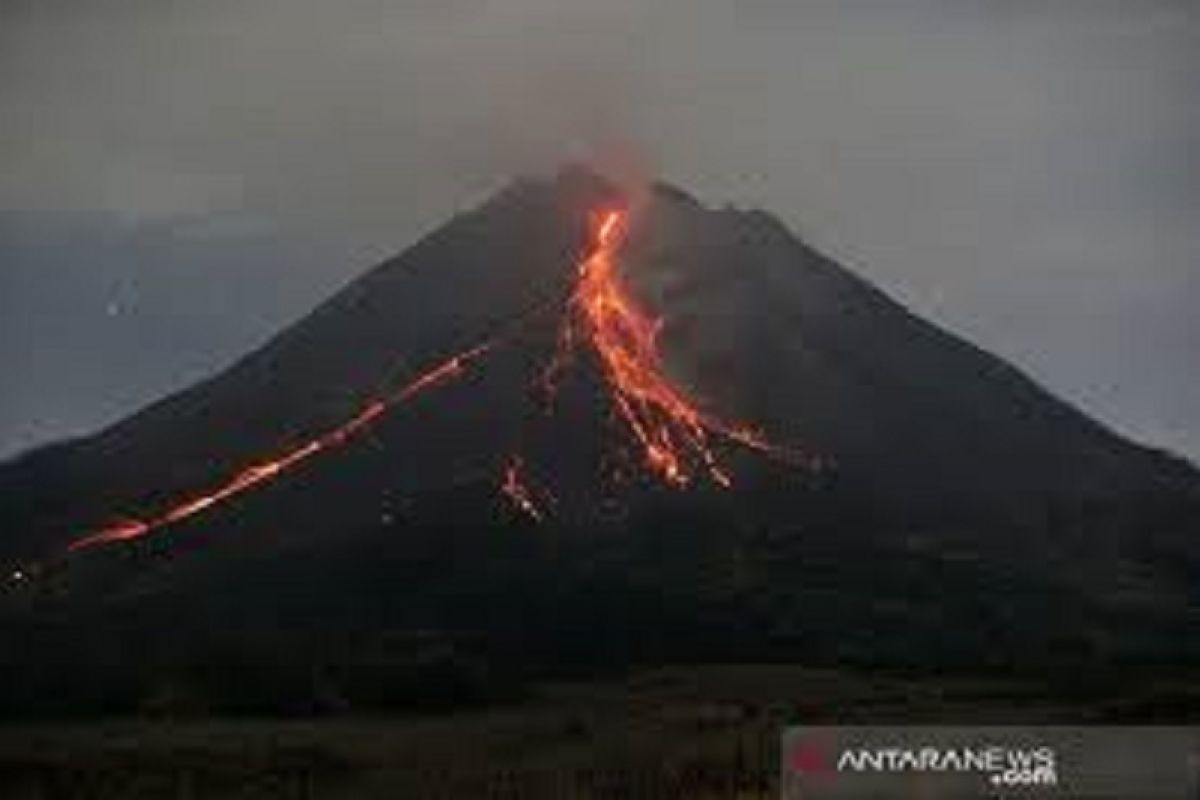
573, 429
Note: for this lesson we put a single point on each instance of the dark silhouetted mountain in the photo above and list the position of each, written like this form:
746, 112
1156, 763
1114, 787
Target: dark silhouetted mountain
962, 515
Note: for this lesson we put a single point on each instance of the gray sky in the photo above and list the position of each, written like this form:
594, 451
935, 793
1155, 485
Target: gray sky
1024, 172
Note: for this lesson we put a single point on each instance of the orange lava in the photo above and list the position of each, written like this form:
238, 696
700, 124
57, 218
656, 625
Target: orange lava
265, 471
514, 487
674, 435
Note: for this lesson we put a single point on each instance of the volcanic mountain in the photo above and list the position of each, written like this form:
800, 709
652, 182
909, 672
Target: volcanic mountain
764, 458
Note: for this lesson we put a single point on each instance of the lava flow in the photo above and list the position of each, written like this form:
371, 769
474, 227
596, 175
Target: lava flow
674, 436
264, 471
514, 486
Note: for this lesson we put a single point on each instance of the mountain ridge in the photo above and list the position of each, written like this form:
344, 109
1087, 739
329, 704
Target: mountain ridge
959, 500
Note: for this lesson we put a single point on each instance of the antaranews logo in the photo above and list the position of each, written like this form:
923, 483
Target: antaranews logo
811, 756
1030, 762
1001, 766
816, 758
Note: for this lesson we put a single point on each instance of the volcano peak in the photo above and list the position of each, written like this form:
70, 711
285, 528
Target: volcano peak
665, 431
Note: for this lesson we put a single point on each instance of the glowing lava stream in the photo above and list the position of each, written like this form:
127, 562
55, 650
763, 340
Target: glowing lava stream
673, 434
265, 471
514, 487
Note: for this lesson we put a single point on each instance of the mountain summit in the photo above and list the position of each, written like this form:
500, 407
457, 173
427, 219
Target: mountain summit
741, 451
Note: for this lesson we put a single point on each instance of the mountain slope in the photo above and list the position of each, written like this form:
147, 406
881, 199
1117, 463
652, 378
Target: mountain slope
956, 503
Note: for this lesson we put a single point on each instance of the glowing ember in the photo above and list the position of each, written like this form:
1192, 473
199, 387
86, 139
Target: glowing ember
515, 488
262, 472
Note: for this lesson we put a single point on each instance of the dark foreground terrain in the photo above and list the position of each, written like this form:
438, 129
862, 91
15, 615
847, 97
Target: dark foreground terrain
708, 732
